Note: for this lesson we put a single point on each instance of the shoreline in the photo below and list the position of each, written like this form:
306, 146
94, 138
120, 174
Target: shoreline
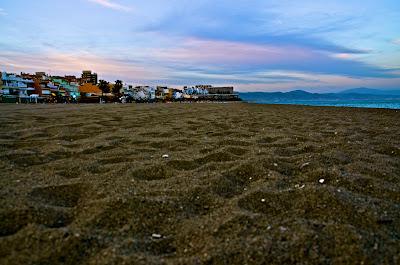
198, 102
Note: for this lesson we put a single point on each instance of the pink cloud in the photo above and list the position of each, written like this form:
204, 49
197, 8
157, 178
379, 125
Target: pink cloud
344, 56
225, 52
69, 63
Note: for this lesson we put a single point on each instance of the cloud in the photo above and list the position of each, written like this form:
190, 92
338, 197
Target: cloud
236, 56
262, 22
344, 56
316, 82
2, 12
112, 5
62, 63
196, 50
396, 41
139, 71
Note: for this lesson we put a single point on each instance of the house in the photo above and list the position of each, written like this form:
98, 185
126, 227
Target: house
42, 88
71, 79
220, 90
89, 89
195, 92
90, 93
177, 94
53, 87
141, 93
210, 93
1, 84
15, 86
40, 75
161, 92
71, 89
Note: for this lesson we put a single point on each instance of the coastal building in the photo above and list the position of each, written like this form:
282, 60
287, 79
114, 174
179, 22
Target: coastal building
89, 89
89, 93
220, 90
1, 84
26, 76
195, 91
41, 89
203, 86
161, 92
46, 88
141, 93
53, 88
177, 94
88, 77
17, 86
68, 89
40, 75
46, 92
71, 79
208, 92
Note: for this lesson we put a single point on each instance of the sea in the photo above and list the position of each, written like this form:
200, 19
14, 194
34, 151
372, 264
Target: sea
379, 104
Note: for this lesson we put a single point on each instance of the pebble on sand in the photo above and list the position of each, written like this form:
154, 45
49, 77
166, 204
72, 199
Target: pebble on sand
156, 236
321, 181
282, 228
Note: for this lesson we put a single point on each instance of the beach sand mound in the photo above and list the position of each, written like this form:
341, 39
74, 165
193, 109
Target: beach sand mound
199, 184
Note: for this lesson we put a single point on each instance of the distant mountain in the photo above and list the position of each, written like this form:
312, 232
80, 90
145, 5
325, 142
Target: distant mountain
370, 91
284, 97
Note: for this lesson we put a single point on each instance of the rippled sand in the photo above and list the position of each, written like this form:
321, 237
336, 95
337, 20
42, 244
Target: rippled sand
88, 184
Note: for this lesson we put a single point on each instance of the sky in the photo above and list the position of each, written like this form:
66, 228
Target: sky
257, 45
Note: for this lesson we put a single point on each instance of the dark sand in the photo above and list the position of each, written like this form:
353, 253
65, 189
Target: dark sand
87, 184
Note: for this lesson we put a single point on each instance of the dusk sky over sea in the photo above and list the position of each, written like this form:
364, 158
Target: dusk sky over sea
320, 46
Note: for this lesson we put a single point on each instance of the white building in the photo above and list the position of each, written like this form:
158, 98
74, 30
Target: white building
141, 93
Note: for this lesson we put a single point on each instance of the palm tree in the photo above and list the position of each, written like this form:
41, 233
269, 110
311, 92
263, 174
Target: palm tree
104, 87
117, 88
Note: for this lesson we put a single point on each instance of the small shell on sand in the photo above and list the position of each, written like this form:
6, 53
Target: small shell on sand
304, 165
165, 156
298, 186
321, 181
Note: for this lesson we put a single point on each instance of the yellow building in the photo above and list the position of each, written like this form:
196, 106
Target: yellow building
90, 89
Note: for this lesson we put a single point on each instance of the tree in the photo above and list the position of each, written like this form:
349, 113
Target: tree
117, 88
38, 87
104, 87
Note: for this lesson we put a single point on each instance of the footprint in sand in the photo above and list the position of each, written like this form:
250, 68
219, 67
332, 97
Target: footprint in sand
53, 205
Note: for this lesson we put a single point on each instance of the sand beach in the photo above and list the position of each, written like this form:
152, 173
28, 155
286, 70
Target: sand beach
199, 183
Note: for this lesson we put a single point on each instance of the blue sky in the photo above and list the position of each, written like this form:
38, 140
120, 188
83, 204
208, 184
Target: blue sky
256, 45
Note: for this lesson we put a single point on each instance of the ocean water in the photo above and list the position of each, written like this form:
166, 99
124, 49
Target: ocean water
380, 104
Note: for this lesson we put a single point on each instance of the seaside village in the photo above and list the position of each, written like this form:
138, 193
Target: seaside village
43, 88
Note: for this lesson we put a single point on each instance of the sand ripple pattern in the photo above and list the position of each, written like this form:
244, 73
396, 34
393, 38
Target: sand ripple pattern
88, 184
